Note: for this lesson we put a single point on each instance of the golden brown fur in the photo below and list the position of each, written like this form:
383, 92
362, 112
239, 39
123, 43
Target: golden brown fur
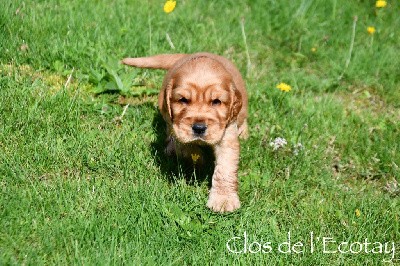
204, 102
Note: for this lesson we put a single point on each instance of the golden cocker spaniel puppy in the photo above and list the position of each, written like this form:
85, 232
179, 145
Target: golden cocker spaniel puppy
204, 102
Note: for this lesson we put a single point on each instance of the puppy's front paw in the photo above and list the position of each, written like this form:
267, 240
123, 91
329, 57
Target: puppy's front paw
223, 203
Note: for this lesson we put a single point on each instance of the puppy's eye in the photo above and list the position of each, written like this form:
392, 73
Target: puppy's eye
216, 102
183, 100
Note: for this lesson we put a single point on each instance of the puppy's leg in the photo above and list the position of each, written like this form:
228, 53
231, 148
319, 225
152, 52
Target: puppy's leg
223, 195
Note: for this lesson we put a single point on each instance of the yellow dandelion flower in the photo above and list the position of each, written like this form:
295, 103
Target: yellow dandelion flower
358, 213
195, 157
380, 3
371, 30
169, 6
313, 49
284, 87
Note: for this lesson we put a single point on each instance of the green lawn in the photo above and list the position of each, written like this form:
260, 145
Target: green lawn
82, 182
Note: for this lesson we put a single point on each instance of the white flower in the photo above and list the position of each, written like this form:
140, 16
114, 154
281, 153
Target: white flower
278, 143
297, 148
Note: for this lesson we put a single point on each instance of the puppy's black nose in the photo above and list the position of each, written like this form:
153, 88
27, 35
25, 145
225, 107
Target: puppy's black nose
199, 128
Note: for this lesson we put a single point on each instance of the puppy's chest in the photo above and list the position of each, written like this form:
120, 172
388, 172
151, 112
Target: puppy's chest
196, 154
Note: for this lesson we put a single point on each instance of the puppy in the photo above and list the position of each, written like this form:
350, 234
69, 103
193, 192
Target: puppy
204, 102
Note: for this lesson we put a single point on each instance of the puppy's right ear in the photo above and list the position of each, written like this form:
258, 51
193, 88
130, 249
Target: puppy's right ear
166, 101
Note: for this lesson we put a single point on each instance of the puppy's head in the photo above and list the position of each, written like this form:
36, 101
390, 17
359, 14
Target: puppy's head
201, 100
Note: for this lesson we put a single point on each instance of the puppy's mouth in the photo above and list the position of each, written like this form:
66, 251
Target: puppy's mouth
198, 139
189, 136
197, 133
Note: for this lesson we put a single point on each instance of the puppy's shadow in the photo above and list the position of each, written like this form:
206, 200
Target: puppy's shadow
175, 168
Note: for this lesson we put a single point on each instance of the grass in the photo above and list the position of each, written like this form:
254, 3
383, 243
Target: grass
80, 185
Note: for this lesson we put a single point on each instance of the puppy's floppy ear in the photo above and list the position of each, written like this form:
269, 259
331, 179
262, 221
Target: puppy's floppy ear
167, 100
236, 102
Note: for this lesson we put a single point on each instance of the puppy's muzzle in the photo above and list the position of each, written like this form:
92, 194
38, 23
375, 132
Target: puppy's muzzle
199, 129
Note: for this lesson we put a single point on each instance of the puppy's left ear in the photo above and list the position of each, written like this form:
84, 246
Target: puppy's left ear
236, 103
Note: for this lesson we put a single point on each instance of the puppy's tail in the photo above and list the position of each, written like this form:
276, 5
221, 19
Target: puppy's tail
162, 61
